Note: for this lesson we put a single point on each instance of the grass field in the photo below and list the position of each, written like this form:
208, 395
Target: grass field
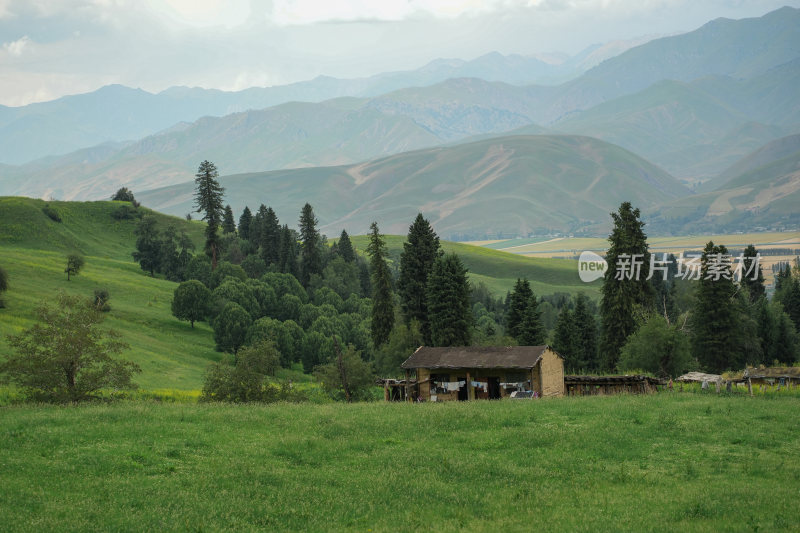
675, 462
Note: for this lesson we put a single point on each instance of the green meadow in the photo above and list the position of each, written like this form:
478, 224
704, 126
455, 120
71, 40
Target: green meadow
675, 462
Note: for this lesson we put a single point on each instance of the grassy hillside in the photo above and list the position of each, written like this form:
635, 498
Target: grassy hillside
500, 270
507, 185
171, 353
685, 462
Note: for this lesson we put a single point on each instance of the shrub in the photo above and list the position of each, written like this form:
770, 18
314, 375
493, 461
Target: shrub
51, 213
101, 298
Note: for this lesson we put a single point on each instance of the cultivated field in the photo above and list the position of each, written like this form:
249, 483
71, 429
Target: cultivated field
570, 247
680, 461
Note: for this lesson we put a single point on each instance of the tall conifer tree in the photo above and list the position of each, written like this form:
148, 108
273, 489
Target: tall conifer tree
208, 200
623, 294
449, 308
382, 300
310, 257
228, 224
270, 237
416, 263
244, 223
345, 247
715, 321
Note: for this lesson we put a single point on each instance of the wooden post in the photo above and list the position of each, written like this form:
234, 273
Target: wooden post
470, 391
408, 385
386, 390
749, 387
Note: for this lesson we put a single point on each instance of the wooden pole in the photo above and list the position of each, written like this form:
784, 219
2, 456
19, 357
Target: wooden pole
386, 390
749, 387
408, 385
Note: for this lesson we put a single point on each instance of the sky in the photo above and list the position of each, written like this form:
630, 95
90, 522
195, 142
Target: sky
51, 48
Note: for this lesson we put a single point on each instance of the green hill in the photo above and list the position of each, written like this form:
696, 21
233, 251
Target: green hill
171, 353
503, 186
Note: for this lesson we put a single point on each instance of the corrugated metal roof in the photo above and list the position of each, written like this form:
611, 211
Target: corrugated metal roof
475, 357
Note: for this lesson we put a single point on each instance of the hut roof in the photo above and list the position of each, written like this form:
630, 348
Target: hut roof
522, 357
699, 377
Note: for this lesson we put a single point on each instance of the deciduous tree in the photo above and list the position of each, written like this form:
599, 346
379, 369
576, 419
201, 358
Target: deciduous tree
190, 301
75, 263
65, 356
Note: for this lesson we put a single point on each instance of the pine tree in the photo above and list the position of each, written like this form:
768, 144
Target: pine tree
621, 295
270, 237
754, 284
310, 257
208, 200
449, 309
228, 224
565, 340
345, 248
244, 223
586, 329
714, 320
531, 330
287, 254
517, 303
382, 299
416, 263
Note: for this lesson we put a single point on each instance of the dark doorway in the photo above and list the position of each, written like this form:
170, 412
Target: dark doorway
463, 392
493, 385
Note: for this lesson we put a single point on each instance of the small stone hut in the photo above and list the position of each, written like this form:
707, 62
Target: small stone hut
478, 372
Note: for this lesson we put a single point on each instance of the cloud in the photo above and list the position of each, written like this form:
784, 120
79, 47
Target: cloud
299, 12
15, 48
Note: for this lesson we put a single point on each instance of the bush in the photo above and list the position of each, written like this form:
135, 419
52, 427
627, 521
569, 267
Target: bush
51, 213
101, 298
247, 381
125, 212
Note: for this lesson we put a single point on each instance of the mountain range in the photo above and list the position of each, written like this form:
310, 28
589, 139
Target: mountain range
693, 104
500, 186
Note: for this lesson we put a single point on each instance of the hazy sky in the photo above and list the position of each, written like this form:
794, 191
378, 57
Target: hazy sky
50, 48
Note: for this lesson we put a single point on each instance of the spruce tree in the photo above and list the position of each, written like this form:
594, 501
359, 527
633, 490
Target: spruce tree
382, 299
270, 238
449, 308
244, 223
416, 263
310, 257
622, 295
228, 224
517, 302
565, 340
345, 248
715, 324
586, 329
208, 200
531, 331
753, 283
287, 254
